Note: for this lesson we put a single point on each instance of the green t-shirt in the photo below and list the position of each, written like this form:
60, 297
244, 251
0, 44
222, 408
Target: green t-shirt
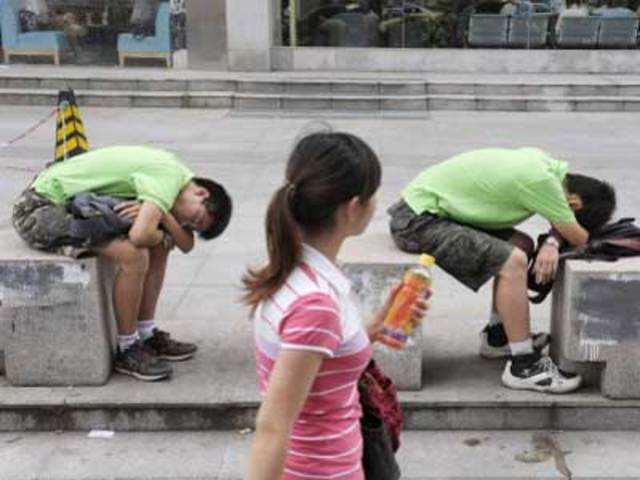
493, 188
136, 172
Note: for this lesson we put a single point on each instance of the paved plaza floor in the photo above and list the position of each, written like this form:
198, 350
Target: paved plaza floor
200, 299
248, 154
223, 455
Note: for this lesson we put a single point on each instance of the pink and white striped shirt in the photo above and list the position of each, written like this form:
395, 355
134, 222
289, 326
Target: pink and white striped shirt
316, 310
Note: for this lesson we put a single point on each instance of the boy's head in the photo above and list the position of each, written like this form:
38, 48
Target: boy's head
592, 200
204, 206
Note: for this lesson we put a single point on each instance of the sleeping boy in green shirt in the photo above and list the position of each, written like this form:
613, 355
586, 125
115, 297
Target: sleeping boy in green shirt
164, 203
463, 211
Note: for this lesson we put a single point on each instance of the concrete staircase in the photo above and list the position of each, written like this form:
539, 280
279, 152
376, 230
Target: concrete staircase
323, 91
216, 390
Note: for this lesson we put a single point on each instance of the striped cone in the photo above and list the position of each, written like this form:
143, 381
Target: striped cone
70, 136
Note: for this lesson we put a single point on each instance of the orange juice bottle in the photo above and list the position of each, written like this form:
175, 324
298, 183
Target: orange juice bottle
415, 284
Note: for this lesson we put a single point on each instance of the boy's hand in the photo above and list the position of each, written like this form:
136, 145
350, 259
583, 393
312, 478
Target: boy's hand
546, 264
128, 210
418, 312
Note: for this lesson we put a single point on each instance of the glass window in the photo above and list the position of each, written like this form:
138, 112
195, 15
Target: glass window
104, 32
446, 23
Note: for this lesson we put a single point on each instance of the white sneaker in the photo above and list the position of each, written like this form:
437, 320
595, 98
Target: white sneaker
494, 344
541, 375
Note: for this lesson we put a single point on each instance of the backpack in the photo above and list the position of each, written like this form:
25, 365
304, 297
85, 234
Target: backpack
613, 241
381, 424
95, 220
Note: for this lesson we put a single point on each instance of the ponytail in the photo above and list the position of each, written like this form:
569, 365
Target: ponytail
284, 247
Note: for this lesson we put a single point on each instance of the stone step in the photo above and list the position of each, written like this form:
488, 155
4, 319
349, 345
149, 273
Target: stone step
464, 396
216, 390
325, 102
310, 86
224, 455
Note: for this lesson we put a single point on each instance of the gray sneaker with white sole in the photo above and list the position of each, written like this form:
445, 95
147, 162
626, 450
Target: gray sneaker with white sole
140, 362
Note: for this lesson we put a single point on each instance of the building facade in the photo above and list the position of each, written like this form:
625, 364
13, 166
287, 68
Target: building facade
457, 36
475, 36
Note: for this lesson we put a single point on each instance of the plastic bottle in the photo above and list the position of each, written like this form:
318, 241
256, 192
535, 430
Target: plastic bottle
415, 283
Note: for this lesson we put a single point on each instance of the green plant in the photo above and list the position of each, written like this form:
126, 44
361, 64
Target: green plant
454, 18
418, 30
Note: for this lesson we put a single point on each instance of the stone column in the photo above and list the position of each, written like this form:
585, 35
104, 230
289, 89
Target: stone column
250, 26
206, 34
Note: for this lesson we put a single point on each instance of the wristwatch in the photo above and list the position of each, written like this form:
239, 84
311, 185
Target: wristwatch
551, 240
167, 241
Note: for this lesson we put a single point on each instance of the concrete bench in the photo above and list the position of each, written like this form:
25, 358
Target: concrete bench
56, 318
373, 272
596, 323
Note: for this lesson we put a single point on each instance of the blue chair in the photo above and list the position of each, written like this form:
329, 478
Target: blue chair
158, 46
1, 4
14, 42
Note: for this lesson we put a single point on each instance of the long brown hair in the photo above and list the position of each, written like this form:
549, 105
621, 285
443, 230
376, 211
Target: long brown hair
324, 170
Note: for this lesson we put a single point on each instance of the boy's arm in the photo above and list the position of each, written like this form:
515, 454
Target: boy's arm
572, 233
546, 264
181, 236
144, 232
547, 198
132, 210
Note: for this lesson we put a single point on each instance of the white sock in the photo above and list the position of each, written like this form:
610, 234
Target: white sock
146, 328
126, 341
521, 348
494, 319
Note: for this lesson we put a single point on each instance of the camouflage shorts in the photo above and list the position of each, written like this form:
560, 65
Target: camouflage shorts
41, 223
470, 255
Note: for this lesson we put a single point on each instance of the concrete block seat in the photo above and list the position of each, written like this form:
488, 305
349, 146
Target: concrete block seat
15, 42
157, 46
596, 323
488, 30
618, 32
56, 317
373, 272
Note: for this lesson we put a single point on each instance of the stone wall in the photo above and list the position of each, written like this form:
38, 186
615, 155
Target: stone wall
471, 61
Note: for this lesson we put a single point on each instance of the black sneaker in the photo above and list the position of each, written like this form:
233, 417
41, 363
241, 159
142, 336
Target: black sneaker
166, 348
142, 364
538, 373
494, 343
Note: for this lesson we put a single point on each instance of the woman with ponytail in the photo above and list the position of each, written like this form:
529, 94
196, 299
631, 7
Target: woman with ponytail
311, 343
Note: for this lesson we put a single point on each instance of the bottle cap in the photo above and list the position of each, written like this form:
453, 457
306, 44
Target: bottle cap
427, 260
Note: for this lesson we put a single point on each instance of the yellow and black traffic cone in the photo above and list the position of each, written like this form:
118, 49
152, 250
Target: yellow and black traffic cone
71, 139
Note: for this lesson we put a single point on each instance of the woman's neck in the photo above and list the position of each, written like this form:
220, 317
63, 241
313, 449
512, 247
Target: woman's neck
328, 245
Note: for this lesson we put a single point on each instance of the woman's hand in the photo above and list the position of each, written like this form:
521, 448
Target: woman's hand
418, 312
